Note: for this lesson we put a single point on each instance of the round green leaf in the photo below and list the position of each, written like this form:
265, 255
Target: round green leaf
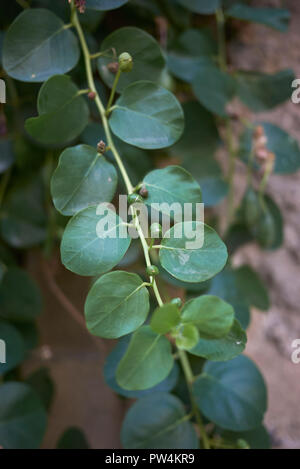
104, 5
20, 409
148, 60
252, 288
223, 349
260, 91
112, 363
276, 18
26, 304
212, 316
258, 438
24, 228
186, 337
204, 7
147, 362
147, 116
158, 421
191, 49
169, 185
14, 347
239, 386
93, 244
42, 383
63, 113
7, 156
116, 305
283, 145
37, 46
165, 318
192, 265
214, 89
83, 178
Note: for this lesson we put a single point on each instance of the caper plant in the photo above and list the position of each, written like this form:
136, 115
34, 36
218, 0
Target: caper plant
179, 357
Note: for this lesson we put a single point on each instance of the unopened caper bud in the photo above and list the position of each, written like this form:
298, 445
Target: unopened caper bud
125, 62
143, 192
177, 302
152, 270
135, 199
156, 230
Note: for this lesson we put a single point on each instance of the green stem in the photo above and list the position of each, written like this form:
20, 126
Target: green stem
130, 189
113, 91
190, 379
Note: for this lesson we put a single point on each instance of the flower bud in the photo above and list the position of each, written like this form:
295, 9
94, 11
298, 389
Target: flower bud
92, 95
155, 230
177, 302
125, 62
113, 67
152, 270
101, 147
135, 199
143, 192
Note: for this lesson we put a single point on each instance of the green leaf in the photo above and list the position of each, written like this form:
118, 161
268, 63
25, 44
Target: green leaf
226, 285
42, 383
63, 113
239, 386
186, 336
93, 244
37, 46
147, 116
29, 333
147, 362
190, 50
223, 349
158, 421
260, 91
172, 185
212, 316
116, 305
24, 228
19, 409
204, 7
196, 150
258, 438
83, 178
165, 318
105, 4
252, 288
26, 304
283, 145
148, 60
196, 264
7, 156
112, 363
214, 89
73, 438
277, 18
14, 347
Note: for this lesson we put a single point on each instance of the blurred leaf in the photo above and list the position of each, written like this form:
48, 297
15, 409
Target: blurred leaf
158, 421
204, 7
261, 91
43, 385
73, 438
26, 304
20, 408
7, 156
277, 18
105, 4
